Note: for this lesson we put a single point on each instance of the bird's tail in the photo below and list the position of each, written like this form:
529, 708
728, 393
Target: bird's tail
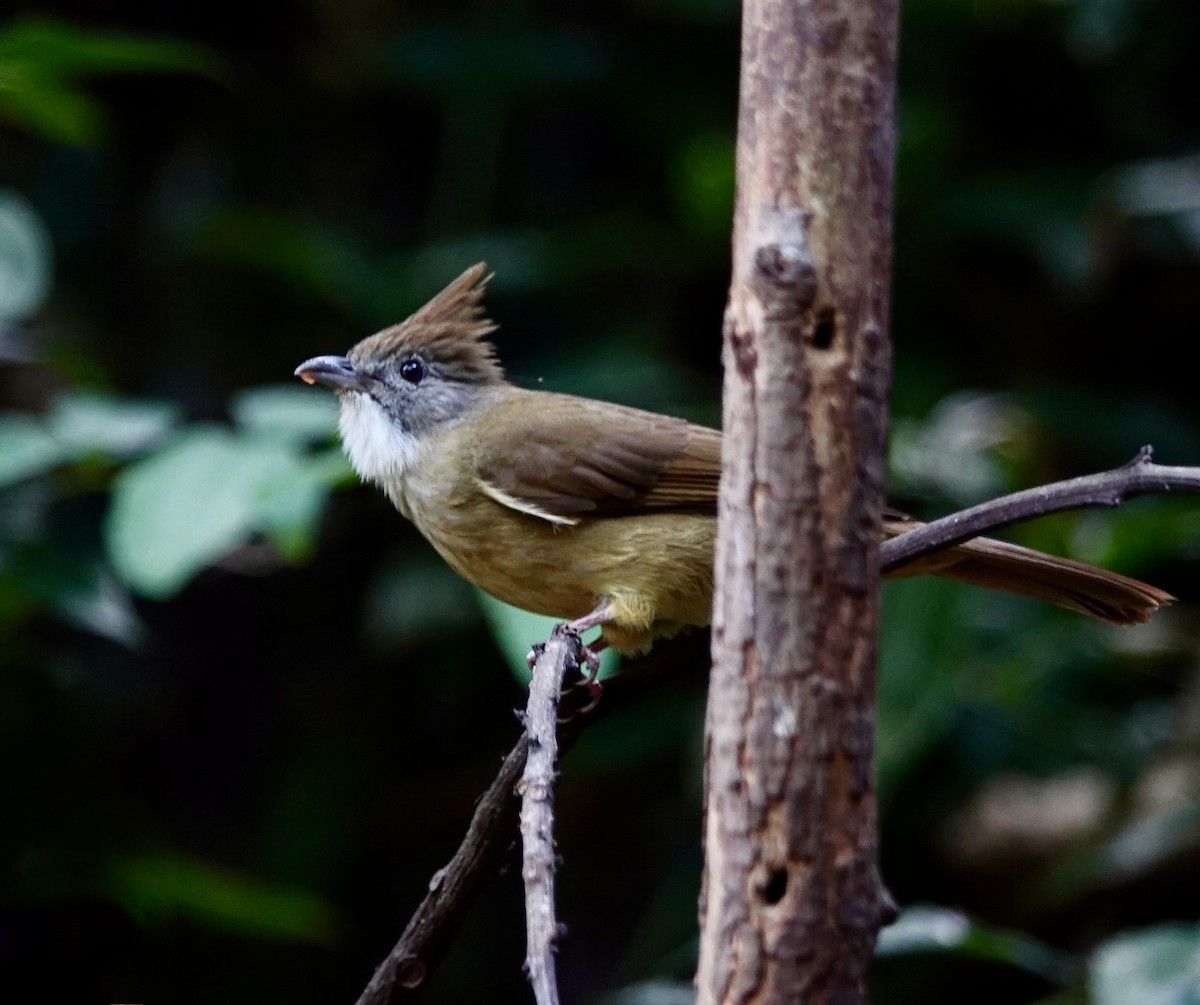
1009, 567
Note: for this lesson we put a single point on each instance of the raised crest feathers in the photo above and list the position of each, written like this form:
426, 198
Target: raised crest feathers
450, 330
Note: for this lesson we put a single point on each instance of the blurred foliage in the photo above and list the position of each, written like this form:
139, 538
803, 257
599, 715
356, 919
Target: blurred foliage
208, 491
44, 63
1155, 966
25, 259
925, 929
238, 740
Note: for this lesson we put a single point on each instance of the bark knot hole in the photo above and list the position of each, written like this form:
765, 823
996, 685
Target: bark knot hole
776, 886
787, 278
824, 331
410, 972
782, 263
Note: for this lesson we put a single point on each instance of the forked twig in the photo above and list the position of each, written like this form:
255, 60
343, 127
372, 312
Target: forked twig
489, 835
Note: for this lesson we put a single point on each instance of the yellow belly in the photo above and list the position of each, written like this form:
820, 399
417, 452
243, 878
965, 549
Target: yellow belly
653, 569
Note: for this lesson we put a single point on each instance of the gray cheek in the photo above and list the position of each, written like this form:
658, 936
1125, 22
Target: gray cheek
445, 401
426, 406
398, 407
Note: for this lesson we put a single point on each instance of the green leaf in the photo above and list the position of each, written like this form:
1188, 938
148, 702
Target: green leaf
1153, 966
182, 508
925, 928
102, 606
301, 414
41, 60
58, 49
55, 570
85, 423
290, 507
53, 111
1142, 844
26, 449
951, 452
26, 265
75, 426
160, 887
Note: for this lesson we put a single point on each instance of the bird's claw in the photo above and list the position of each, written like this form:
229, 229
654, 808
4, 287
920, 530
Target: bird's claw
592, 662
595, 689
531, 657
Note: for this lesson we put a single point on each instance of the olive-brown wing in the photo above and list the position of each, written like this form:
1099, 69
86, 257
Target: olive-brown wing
569, 457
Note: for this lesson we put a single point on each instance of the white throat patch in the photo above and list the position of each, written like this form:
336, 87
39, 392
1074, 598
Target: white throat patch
379, 450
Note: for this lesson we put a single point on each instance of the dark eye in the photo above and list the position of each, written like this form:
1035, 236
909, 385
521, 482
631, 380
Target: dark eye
412, 370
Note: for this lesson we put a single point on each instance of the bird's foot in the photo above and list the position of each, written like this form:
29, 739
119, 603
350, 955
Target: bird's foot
587, 653
594, 689
580, 625
589, 658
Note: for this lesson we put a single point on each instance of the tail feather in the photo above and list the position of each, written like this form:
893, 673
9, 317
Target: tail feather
1074, 585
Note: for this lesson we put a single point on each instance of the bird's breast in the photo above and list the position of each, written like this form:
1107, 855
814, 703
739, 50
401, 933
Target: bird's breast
379, 448
664, 559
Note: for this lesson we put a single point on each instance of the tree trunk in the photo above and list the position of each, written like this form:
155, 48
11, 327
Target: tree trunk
792, 898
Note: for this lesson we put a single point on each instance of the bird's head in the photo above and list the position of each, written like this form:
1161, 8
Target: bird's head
402, 384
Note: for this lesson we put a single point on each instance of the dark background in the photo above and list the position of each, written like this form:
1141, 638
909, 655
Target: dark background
229, 773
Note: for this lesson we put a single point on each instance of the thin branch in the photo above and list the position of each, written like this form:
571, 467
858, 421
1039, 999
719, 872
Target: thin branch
1141, 476
431, 928
561, 651
489, 836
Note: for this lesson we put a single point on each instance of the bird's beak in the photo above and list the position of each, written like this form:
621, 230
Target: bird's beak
334, 372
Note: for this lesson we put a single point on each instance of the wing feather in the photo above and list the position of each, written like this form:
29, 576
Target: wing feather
556, 455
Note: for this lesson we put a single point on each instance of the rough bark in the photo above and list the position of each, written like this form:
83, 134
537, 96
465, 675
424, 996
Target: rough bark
538, 860
792, 897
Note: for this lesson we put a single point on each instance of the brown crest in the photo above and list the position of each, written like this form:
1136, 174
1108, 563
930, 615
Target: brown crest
450, 330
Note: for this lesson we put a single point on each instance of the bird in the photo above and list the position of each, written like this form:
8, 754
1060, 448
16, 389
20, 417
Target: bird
589, 511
